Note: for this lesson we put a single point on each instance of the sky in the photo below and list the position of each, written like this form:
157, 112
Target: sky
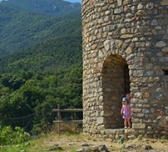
72, 1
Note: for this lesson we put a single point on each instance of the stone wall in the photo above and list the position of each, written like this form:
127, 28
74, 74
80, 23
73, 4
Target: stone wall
125, 48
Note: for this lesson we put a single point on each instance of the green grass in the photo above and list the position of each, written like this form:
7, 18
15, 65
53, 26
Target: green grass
14, 148
74, 149
45, 142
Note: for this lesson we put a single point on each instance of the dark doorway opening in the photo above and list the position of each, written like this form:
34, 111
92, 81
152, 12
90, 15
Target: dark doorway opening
165, 72
115, 84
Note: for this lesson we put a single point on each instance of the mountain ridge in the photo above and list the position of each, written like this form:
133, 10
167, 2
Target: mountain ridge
20, 29
47, 7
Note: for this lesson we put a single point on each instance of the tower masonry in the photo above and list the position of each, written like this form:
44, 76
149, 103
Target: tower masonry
125, 49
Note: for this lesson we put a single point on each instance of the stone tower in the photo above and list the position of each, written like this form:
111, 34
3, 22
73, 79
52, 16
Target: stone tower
125, 49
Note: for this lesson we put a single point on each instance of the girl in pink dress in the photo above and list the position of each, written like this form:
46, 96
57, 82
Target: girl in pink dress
126, 112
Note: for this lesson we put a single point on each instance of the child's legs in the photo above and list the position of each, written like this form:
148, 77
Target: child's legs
125, 122
128, 122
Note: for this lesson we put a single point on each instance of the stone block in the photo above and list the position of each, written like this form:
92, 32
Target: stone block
164, 2
160, 44
159, 112
120, 131
131, 137
142, 132
138, 126
129, 131
100, 120
163, 122
145, 110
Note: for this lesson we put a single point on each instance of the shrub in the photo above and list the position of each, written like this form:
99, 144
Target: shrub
10, 136
140, 137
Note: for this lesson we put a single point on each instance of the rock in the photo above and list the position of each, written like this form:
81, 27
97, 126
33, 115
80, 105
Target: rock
160, 44
84, 144
129, 146
103, 148
55, 148
91, 149
80, 150
99, 148
147, 147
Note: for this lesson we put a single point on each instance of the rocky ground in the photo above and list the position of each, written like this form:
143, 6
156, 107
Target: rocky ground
92, 144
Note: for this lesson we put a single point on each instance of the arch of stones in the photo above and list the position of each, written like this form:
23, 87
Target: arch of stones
125, 49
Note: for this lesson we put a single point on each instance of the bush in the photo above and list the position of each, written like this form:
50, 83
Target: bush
10, 136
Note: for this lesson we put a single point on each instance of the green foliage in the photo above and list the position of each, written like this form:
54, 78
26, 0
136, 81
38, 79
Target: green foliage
104, 132
49, 7
48, 56
74, 149
21, 29
67, 133
34, 100
140, 137
10, 136
40, 64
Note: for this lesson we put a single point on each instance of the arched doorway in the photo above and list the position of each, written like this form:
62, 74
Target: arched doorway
115, 84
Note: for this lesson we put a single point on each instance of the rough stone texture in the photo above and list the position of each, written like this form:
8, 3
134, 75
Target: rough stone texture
125, 48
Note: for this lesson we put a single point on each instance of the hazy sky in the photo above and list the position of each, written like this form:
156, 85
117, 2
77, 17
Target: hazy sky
74, 1
68, 1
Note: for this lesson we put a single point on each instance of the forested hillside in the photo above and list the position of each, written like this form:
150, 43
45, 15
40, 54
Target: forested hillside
40, 67
46, 7
47, 56
20, 29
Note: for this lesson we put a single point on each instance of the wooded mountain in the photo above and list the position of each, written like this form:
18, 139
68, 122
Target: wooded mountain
46, 7
20, 29
40, 62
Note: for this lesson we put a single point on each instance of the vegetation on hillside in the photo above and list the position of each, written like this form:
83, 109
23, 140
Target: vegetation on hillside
46, 7
35, 80
21, 29
27, 95
40, 67
47, 56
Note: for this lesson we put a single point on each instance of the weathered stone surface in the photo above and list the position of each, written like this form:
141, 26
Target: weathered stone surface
140, 6
165, 49
131, 137
160, 44
145, 110
141, 12
100, 120
125, 36
138, 126
107, 45
150, 5
164, 2
154, 22
163, 122
129, 131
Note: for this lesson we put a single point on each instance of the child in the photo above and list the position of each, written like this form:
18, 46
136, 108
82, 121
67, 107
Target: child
126, 112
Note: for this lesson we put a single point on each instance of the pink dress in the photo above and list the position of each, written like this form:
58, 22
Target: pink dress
126, 111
